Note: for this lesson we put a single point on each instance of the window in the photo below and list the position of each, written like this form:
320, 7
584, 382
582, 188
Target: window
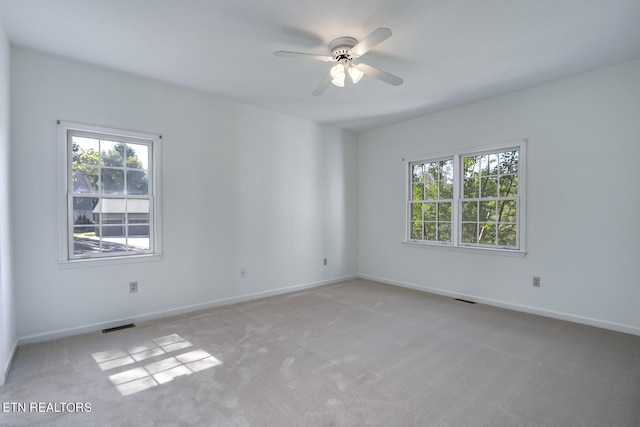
431, 200
111, 190
471, 199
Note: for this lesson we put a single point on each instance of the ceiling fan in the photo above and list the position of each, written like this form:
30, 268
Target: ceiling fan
344, 51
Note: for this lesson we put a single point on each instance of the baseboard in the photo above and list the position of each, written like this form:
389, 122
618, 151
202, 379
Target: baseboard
52, 335
5, 371
599, 323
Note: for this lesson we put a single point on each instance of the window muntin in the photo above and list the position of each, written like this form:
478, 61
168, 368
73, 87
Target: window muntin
110, 194
469, 199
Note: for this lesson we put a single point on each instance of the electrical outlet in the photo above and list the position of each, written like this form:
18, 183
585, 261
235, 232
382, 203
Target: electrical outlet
243, 272
133, 287
536, 281
324, 261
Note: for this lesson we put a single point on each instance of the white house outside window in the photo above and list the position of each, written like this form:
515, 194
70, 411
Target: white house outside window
111, 189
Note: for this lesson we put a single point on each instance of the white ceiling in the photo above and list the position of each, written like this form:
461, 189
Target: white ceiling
449, 52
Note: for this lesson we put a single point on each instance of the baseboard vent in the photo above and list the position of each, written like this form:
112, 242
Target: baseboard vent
464, 300
118, 328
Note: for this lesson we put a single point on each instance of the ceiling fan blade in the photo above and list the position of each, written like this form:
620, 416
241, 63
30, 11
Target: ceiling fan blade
379, 74
324, 84
286, 54
375, 38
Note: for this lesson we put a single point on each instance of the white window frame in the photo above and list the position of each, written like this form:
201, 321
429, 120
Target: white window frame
65, 204
456, 229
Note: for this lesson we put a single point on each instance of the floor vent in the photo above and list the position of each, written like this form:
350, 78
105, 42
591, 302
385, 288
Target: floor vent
464, 300
118, 328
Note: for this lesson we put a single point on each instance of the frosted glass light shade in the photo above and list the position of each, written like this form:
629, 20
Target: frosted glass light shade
355, 74
337, 72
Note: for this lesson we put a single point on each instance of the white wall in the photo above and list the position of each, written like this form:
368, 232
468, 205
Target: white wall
583, 200
249, 188
242, 188
7, 312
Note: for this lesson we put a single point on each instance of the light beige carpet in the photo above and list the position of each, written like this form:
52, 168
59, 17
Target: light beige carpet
352, 354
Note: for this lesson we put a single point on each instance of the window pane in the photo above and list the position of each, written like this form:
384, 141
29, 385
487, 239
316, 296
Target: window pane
137, 156
489, 187
447, 171
471, 187
83, 211
112, 243
112, 181
431, 172
137, 182
84, 229
469, 233
85, 179
446, 190
430, 231
417, 173
141, 230
444, 211
112, 228
432, 168
138, 239
508, 162
85, 243
429, 211
416, 211
469, 211
84, 150
507, 211
416, 230
487, 211
506, 234
471, 166
444, 231
492, 165
508, 185
417, 191
484, 164
111, 209
137, 211
487, 234
112, 153
431, 190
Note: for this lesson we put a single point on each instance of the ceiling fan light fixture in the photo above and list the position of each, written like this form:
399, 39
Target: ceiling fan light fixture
338, 82
337, 73
343, 51
355, 74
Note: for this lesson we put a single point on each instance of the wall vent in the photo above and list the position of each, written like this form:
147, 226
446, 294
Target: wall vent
118, 328
464, 300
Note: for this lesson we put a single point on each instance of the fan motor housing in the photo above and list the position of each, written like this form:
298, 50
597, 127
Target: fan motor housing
341, 48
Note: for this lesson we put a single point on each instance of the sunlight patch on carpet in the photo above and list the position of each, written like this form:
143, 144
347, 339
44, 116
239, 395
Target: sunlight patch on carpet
152, 374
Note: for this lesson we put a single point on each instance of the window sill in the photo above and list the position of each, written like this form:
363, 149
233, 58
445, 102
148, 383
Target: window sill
95, 262
468, 249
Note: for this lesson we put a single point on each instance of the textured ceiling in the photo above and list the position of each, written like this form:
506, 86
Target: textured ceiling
449, 52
